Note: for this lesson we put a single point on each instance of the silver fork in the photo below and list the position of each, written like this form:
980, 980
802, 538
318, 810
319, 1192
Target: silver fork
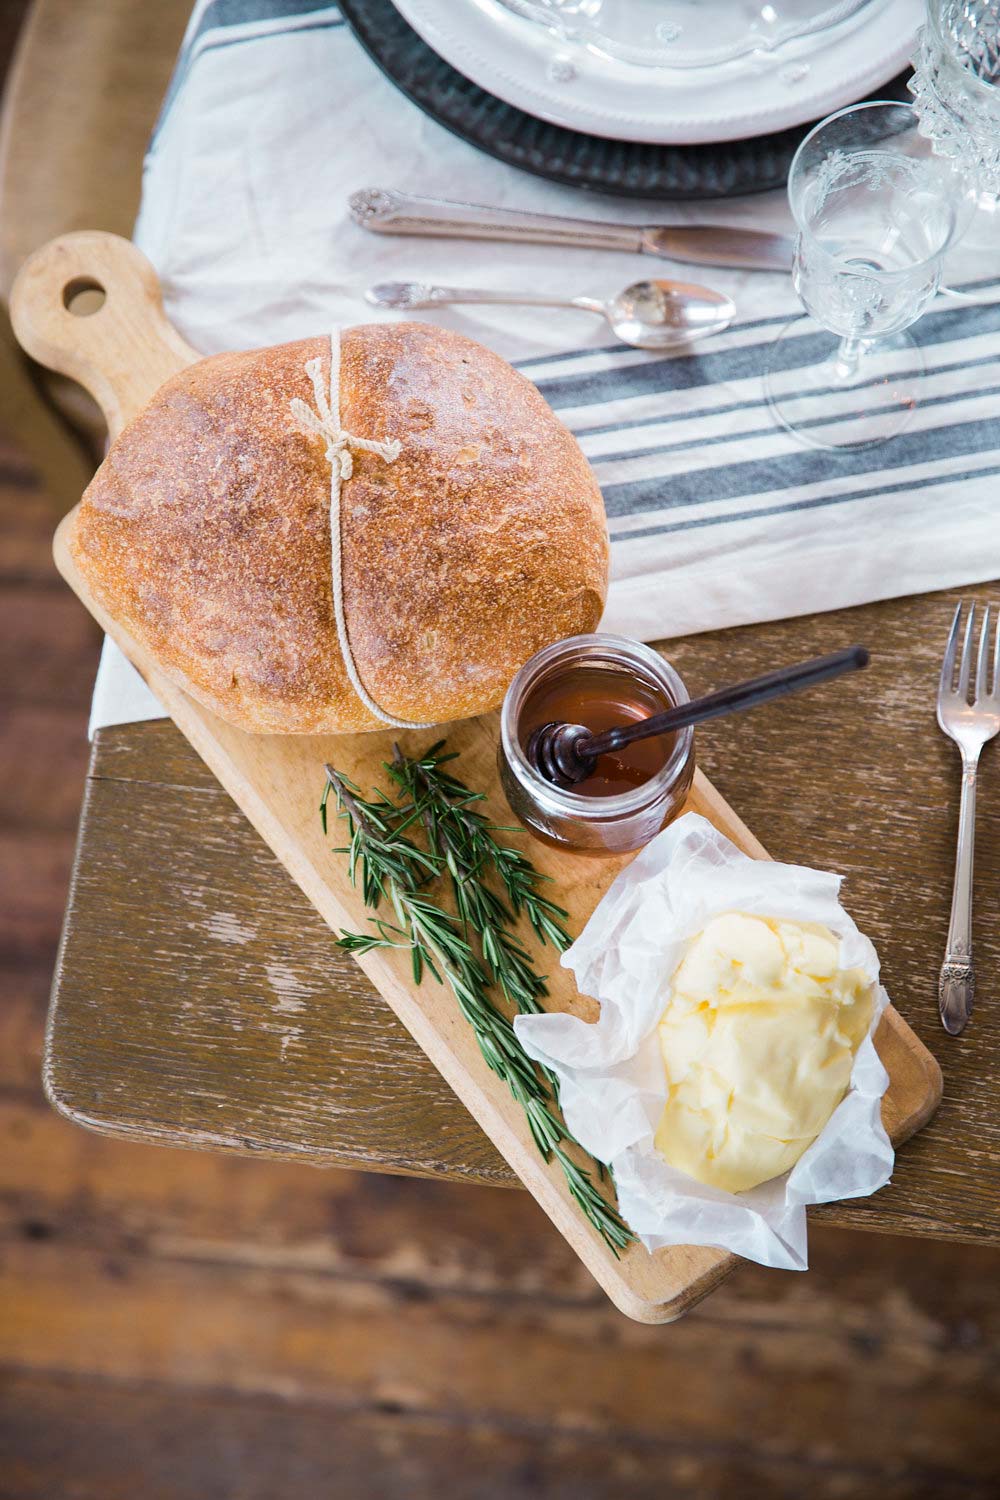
970, 726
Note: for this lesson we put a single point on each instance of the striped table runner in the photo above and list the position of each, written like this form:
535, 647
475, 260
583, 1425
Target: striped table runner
275, 115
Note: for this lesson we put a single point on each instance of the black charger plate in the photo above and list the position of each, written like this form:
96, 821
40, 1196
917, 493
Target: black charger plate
629, 169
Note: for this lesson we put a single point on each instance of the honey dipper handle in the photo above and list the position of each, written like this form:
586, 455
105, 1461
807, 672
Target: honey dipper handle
728, 700
89, 306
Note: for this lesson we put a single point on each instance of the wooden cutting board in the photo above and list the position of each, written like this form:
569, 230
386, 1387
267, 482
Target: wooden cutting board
121, 353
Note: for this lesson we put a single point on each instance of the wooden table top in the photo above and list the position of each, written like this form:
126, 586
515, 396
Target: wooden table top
199, 1000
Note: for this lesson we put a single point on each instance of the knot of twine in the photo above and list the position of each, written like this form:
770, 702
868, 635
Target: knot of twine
324, 421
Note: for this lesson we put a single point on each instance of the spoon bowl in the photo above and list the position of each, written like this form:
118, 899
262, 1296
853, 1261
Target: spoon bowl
658, 314
651, 314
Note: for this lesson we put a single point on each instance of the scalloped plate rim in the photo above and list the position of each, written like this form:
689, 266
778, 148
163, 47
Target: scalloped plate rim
472, 35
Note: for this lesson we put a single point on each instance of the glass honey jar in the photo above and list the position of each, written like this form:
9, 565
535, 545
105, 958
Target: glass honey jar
599, 681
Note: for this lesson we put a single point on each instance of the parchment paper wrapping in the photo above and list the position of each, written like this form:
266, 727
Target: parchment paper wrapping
612, 1082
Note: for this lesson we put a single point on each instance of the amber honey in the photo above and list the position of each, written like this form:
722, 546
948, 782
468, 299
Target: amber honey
601, 698
599, 681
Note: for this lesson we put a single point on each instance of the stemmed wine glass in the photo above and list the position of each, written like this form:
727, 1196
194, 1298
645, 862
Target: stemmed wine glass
876, 212
956, 87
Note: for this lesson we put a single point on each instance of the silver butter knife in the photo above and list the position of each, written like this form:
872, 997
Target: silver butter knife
389, 212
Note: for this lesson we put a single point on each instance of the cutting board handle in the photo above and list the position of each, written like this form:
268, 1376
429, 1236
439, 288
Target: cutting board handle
89, 305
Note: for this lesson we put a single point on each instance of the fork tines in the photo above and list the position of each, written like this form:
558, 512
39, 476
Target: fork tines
948, 688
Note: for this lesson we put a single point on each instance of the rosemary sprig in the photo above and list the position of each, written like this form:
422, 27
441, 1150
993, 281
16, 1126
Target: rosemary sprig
454, 822
392, 869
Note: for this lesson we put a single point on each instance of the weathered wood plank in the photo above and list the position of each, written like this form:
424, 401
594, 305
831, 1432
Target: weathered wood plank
43, 758
233, 1283
165, 1444
792, 1369
83, 1191
26, 520
274, 1044
90, 130
24, 993
48, 647
880, 809
39, 861
119, 1441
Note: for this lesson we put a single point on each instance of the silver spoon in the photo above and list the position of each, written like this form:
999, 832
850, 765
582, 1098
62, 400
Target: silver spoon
647, 315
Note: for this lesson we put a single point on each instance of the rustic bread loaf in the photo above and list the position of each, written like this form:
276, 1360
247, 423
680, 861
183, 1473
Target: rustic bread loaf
206, 532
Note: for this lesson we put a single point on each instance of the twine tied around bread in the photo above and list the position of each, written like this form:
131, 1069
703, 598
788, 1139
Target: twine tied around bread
324, 422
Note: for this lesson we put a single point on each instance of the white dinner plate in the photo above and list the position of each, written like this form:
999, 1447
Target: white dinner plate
571, 85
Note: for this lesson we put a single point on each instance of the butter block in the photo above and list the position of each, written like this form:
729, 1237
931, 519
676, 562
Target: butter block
758, 1038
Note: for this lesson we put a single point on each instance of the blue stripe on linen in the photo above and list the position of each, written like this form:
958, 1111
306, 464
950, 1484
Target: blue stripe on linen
693, 414
220, 14
786, 508
827, 421
773, 322
787, 471
696, 370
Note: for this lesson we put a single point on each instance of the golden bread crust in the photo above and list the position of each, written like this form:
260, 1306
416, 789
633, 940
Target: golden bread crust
206, 532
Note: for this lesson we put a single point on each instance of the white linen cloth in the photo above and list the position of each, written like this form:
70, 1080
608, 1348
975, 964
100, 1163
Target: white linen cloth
275, 115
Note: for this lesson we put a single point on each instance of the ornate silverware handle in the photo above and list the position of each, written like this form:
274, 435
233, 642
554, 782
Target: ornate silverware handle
398, 213
414, 294
390, 212
957, 983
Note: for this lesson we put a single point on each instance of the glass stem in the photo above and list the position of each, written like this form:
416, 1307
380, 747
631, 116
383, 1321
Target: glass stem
848, 356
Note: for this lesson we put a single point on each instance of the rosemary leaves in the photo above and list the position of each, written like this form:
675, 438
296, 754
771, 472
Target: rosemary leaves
476, 951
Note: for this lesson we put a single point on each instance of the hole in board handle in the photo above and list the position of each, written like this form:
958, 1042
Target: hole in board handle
83, 296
